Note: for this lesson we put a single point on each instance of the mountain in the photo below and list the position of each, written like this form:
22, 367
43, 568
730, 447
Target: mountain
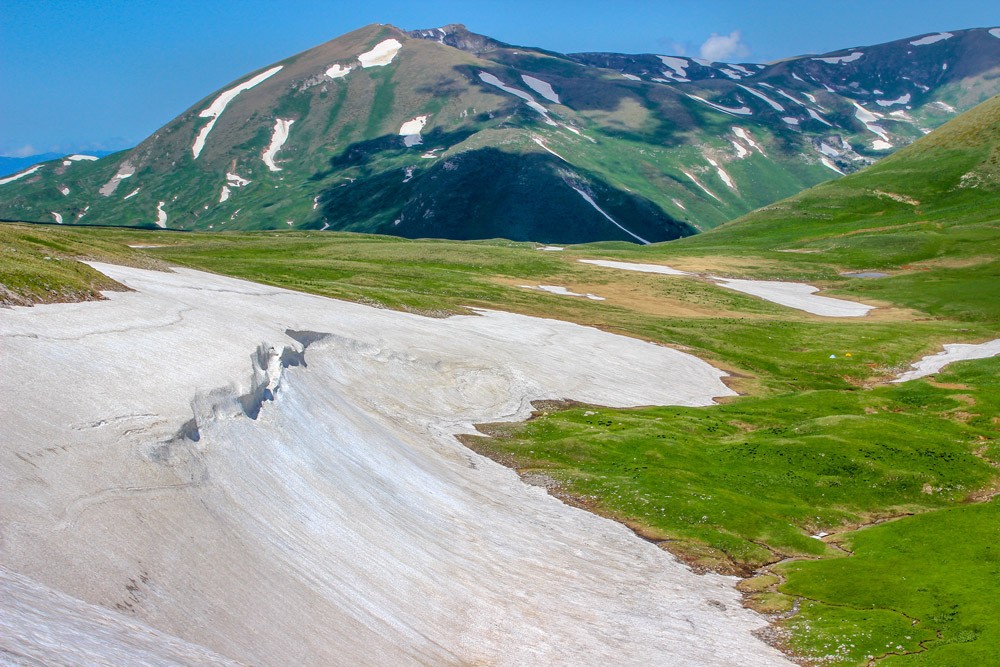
446, 133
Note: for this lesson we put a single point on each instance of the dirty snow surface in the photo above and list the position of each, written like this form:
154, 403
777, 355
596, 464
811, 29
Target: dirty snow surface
953, 352
272, 477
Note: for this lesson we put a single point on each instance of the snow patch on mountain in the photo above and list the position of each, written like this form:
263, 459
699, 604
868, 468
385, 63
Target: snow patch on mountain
747, 137
932, 39
789, 120
64, 190
678, 65
337, 71
215, 109
815, 116
486, 77
380, 56
631, 77
774, 105
19, 175
995, 32
732, 74
125, 170
78, 157
881, 145
235, 180
224, 195
410, 131
161, 215
278, 138
868, 119
58, 217
542, 88
742, 111
902, 99
841, 60
726, 178
538, 140
131, 194
590, 200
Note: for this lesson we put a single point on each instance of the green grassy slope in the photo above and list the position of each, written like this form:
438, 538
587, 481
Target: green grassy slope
818, 442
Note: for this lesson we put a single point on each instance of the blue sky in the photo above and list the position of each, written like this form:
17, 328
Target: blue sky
93, 74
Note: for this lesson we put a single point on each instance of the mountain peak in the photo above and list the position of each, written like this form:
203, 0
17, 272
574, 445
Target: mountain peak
459, 37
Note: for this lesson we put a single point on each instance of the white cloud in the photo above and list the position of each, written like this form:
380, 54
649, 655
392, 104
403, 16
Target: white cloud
721, 48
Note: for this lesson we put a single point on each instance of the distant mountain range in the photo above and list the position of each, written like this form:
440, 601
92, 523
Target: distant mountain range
447, 133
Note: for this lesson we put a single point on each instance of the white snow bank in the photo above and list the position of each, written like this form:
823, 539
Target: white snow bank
723, 174
590, 200
20, 174
932, 39
486, 77
337, 71
63, 190
632, 266
631, 77
551, 248
278, 138
58, 217
410, 130
541, 87
541, 142
224, 195
741, 111
995, 32
215, 109
881, 145
131, 194
953, 352
78, 157
562, 291
161, 215
795, 295
326, 507
840, 60
380, 56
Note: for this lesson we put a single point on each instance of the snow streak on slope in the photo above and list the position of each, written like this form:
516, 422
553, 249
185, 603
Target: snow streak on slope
741, 111
411, 129
315, 504
932, 39
22, 174
278, 138
541, 87
590, 200
486, 77
215, 109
